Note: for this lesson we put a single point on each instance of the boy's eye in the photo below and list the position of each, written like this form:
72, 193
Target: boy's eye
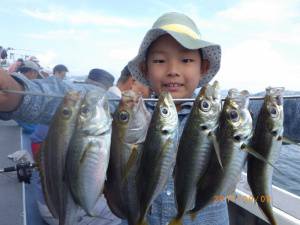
158, 61
187, 60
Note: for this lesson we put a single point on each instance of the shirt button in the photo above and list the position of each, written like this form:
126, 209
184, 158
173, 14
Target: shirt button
169, 192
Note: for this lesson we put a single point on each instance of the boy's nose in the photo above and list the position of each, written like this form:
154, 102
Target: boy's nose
173, 69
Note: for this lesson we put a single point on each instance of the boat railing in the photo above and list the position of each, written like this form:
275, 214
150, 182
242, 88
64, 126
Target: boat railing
286, 206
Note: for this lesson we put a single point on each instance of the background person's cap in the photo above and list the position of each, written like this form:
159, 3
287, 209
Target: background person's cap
183, 30
34, 59
100, 78
31, 65
60, 68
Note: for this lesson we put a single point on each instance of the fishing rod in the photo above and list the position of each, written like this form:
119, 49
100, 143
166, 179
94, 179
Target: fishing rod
145, 99
24, 171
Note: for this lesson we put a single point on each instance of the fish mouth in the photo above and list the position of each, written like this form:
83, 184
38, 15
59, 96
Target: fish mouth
97, 131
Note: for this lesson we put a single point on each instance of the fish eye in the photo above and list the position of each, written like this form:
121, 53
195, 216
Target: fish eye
233, 115
273, 111
84, 110
124, 116
164, 111
66, 112
205, 105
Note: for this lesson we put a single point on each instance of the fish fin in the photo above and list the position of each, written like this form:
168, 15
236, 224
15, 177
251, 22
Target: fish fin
131, 161
216, 147
142, 222
85, 152
269, 216
37, 159
193, 215
176, 221
165, 148
254, 153
104, 102
289, 141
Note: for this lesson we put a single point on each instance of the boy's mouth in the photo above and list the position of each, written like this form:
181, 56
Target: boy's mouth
172, 86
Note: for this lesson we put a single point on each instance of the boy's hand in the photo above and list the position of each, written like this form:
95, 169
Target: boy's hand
9, 102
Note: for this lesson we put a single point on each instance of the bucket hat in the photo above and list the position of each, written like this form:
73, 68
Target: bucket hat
33, 66
184, 31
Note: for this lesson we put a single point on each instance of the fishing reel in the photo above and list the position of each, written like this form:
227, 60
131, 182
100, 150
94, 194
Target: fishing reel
24, 171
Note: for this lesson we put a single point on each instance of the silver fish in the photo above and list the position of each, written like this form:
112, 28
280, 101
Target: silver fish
267, 141
88, 154
195, 147
53, 156
234, 131
159, 153
129, 128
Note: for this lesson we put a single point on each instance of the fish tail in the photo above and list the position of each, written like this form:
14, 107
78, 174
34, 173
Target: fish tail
193, 215
176, 221
270, 216
142, 222
267, 209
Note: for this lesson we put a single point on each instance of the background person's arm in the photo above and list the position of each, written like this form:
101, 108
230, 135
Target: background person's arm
37, 108
9, 102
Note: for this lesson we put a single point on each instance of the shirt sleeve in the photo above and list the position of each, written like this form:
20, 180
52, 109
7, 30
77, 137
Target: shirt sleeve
291, 116
40, 109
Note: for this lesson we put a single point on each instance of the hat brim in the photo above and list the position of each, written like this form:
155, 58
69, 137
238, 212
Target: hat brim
211, 52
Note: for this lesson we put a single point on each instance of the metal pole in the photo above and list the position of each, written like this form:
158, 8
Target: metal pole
145, 99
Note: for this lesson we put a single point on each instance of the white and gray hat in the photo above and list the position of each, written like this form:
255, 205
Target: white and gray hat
183, 30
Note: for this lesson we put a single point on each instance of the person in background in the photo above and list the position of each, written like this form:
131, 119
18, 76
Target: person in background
60, 71
30, 70
127, 82
3, 56
15, 66
35, 60
3, 53
45, 72
100, 78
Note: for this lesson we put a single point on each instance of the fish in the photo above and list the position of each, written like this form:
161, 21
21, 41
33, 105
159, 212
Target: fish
195, 147
129, 128
89, 150
266, 141
233, 132
158, 153
53, 156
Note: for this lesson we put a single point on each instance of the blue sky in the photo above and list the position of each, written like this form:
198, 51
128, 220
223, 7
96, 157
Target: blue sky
259, 38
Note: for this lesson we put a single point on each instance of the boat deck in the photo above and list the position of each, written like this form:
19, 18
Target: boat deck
17, 205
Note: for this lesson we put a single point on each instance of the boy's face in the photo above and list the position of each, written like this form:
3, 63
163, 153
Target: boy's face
171, 67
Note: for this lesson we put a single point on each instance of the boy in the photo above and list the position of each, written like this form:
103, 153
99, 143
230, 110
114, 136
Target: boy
172, 57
